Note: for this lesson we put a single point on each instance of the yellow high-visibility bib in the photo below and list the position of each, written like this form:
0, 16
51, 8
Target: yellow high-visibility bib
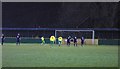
52, 38
60, 39
42, 38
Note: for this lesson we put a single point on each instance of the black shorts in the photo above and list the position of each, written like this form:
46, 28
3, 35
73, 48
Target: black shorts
82, 42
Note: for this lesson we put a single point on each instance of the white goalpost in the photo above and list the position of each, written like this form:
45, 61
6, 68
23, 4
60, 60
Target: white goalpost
90, 33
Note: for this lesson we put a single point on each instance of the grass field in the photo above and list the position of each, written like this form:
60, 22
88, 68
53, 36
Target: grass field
35, 55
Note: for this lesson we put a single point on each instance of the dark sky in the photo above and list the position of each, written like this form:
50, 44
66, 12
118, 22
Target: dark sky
59, 14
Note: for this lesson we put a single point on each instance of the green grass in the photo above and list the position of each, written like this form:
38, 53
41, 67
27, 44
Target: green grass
35, 55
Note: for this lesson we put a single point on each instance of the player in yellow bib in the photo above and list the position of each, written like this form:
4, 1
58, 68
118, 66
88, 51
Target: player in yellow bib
60, 40
43, 40
52, 40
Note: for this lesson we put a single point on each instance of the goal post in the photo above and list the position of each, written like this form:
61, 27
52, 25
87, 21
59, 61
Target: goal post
88, 34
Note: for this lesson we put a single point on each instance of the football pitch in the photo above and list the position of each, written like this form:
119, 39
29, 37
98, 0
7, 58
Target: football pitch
36, 55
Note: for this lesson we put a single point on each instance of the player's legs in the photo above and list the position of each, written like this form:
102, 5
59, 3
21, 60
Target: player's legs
68, 43
82, 43
51, 42
2, 42
59, 43
19, 42
75, 43
42, 42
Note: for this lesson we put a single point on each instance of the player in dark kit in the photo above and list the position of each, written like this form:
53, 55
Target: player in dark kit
18, 38
82, 41
68, 41
2, 39
75, 41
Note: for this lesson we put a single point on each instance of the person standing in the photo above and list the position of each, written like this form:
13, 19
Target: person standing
60, 40
75, 41
2, 39
18, 38
43, 40
68, 41
52, 40
82, 41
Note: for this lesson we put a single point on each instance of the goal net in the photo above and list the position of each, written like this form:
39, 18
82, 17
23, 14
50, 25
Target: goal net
87, 34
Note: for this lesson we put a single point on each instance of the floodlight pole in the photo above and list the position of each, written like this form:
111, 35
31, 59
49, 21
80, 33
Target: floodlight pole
93, 36
55, 33
55, 36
